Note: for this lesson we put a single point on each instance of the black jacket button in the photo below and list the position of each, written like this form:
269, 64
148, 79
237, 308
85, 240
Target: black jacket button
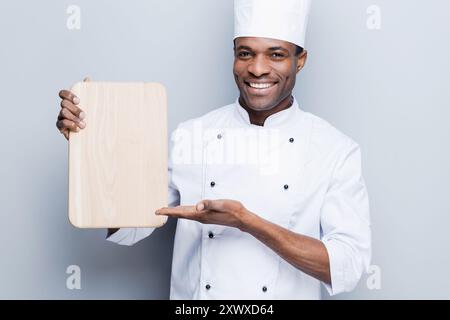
219, 136
264, 289
286, 187
211, 235
291, 140
208, 287
212, 183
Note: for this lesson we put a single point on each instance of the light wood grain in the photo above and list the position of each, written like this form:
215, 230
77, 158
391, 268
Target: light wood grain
118, 163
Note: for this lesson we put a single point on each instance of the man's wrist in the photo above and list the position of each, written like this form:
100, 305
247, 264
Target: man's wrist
248, 220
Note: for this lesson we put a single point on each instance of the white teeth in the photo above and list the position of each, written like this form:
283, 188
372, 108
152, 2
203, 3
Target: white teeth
261, 85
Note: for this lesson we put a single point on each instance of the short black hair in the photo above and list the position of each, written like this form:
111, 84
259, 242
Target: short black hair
298, 50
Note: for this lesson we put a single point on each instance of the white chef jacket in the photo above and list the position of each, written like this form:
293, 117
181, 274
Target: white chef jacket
297, 171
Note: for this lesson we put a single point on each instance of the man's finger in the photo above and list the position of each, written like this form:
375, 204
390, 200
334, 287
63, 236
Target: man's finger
66, 94
64, 131
73, 108
214, 205
67, 124
66, 114
177, 211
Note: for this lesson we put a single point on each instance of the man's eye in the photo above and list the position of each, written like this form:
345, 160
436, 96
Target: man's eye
277, 55
244, 54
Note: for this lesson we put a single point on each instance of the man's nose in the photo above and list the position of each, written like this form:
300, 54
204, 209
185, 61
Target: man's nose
259, 66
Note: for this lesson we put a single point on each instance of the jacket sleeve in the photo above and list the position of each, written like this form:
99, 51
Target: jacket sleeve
130, 236
345, 222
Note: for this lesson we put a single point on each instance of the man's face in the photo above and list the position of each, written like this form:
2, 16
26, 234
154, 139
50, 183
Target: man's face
265, 70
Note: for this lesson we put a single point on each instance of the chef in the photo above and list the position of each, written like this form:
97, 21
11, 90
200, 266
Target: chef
270, 199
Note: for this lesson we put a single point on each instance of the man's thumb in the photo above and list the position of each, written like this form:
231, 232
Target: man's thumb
202, 205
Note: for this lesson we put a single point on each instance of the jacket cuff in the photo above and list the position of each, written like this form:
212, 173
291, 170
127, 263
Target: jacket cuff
129, 236
337, 269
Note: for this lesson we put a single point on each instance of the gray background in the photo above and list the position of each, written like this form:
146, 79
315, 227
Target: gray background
388, 89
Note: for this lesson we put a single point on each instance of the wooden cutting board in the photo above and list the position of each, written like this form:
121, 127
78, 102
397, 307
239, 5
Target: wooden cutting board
118, 164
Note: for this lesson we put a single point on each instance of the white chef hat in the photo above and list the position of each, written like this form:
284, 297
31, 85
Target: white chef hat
276, 19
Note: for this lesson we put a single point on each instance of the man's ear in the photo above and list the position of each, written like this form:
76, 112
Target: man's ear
301, 60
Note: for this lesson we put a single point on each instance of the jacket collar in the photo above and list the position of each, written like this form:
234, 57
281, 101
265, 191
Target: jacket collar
281, 118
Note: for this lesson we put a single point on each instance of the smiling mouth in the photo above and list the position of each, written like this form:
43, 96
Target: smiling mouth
263, 85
